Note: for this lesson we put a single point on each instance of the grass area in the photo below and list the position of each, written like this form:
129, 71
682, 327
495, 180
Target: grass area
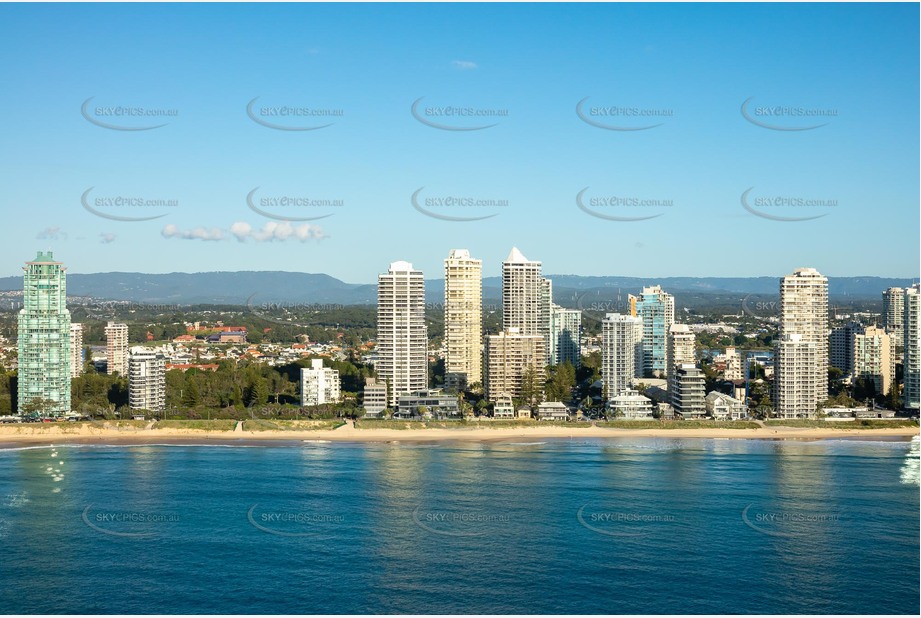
212, 425
873, 423
689, 424
263, 425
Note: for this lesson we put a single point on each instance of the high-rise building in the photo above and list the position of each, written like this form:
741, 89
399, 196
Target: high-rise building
800, 386
545, 317
912, 348
44, 338
76, 349
795, 377
402, 336
732, 361
678, 351
872, 357
117, 348
523, 294
656, 309
841, 346
319, 384
512, 359
565, 333
146, 379
688, 396
621, 352
463, 308
893, 316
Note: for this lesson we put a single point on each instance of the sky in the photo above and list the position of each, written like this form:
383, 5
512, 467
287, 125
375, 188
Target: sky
646, 140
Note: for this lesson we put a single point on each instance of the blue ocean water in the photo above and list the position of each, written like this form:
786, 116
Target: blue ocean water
555, 526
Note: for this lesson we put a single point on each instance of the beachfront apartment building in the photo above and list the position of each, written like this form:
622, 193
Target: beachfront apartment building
44, 339
565, 333
463, 320
801, 356
911, 395
319, 385
872, 358
116, 348
656, 309
621, 352
514, 365
146, 379
402, 335
76, 349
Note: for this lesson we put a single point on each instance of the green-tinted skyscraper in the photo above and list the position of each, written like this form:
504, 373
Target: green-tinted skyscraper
44, 338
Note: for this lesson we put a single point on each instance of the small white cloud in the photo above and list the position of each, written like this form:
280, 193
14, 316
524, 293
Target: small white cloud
51, 233
106, 237
199, 233
273, 231
463, 65
243, 232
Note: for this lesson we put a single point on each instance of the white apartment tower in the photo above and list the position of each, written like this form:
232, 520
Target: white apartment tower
463, 319
565, 333
117, 348
319, 384
76, 349
912, 343
894, 315
872, 357
678, 351
523, 291
146, 380
621, 352
801, 386
402, 337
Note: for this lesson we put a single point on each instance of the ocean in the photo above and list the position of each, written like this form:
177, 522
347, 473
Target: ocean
649, 525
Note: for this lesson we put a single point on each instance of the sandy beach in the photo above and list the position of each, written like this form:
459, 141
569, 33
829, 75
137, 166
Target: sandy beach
83, 433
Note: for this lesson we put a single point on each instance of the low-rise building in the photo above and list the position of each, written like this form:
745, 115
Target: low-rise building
631, 405
319, 384
432, 402
374, 398
553, 411
504, 408
723, 407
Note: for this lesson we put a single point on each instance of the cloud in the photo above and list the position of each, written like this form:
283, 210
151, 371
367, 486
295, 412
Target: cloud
106, 237
463, 65
243, 232
273, 231
51, 233
199, 233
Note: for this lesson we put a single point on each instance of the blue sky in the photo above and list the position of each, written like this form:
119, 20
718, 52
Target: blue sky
853, 66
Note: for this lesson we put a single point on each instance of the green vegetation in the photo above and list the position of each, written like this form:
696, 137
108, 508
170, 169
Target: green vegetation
260, 425
871, 423
689, 424
212, 425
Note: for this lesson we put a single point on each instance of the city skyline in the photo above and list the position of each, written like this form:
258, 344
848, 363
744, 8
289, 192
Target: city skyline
709, 159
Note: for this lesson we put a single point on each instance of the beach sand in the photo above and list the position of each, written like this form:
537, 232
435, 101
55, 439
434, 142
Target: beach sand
18, 435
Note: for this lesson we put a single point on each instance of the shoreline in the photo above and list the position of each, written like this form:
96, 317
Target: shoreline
14, 437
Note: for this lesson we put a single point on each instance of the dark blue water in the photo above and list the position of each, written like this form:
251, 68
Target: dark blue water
599, 526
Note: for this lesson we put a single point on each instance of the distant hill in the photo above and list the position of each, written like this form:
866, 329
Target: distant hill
286, 287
